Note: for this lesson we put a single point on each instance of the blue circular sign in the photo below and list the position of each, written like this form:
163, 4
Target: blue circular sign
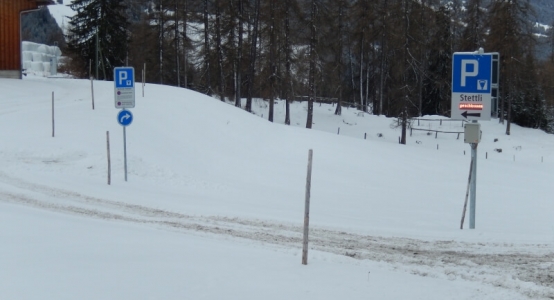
124, 117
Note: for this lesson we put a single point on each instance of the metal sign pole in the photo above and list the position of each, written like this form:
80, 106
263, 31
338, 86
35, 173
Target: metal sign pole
125, 151
473, 186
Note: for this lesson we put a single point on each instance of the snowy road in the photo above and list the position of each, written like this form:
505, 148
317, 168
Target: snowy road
524, 269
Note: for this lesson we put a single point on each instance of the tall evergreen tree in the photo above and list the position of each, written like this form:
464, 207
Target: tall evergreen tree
102, 25
473, 33
510, 35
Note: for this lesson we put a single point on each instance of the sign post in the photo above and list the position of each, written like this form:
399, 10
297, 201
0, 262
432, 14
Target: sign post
472, 85
124, 95
124, 118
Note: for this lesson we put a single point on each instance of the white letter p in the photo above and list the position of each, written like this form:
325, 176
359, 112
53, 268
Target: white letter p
465, 73
123, 77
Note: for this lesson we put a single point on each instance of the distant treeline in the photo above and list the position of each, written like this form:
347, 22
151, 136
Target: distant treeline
40, 27
390, 57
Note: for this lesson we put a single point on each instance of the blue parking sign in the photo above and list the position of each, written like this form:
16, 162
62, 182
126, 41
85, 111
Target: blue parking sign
471, 73
124, 77
124, 87
471, 86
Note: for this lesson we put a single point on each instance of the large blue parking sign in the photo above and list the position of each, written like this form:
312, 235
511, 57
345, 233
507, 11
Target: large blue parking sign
471, 86
471, 73
124, 87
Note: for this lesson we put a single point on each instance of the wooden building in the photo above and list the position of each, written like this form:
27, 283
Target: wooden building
10, 34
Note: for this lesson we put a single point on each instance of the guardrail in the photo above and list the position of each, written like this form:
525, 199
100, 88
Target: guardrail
435, 131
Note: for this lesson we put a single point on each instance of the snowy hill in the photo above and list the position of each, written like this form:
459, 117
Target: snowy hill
214, 202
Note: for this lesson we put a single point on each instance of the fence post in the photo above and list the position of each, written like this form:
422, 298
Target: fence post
307, 210
92, 91
52, 114
109, 160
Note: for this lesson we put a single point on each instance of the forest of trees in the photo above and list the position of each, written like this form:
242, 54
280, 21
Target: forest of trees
385, 57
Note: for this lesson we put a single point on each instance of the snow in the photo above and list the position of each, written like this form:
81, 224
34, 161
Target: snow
214, 203
61, 12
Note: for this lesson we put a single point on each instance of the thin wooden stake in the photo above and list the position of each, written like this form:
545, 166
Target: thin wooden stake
92, 90
109, 160
307, 210
467, 194
52, 114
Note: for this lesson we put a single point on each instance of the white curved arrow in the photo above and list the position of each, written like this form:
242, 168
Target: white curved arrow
125, 117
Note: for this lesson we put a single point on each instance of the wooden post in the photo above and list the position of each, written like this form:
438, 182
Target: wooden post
52, 114
467, 194
307, 210
92, 91
365, 135
338, 131
109, 160
144, 78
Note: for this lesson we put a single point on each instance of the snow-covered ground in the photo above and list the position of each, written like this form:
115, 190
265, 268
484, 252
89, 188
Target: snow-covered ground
214, 203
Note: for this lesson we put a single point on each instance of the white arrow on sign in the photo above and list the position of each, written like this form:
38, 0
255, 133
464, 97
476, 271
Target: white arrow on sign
125, 117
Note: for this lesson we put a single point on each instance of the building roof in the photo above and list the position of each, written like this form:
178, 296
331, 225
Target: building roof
43, 2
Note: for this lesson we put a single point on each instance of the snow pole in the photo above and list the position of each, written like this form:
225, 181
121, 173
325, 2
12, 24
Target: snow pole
467, 194
307, 210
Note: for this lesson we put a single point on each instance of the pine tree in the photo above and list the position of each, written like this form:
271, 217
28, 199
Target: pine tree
510, 35
102, 25
473, 33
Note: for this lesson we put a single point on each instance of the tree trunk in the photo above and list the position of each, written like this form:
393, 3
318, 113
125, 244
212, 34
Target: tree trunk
221, 89
161, 41
185, 57
383, 58
253, 52
177, 44
272, 64
338, 109
288, 76
311, 80
238, 62
207, 50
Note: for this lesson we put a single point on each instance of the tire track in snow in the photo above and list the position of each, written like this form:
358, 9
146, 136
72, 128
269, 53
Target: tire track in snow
524, 269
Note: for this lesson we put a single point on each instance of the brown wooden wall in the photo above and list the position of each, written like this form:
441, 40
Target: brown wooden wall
10, 44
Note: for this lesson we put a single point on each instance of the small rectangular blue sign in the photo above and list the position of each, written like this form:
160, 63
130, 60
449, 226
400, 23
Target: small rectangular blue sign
124, 77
